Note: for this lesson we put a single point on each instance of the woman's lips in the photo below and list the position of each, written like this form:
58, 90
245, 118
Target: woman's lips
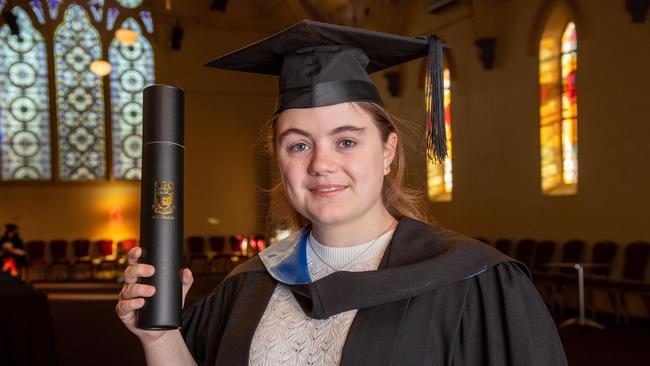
327, 190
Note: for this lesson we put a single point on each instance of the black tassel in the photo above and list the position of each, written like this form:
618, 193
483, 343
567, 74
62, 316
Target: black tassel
436, 136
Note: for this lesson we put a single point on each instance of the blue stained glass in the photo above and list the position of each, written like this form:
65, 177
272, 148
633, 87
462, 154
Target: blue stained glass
130, 4
133, 69
53, 7
80, 100
37, 8
147, 20
24, 114
111, 16
97, 9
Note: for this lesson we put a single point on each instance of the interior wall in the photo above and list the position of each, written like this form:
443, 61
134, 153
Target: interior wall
224, 172
496, 174
494, 114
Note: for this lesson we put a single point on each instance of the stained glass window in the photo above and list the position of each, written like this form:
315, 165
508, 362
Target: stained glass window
111, 16
147, 20
24, 114
439, 176
37, 8
96, 9
130, 4
132, 71
53, 7
558, 112
79, 98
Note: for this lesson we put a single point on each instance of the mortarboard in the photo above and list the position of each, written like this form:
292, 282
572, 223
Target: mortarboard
11, 227
322, 64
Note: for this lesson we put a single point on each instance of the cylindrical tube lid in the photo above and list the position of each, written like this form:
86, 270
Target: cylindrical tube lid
163, 110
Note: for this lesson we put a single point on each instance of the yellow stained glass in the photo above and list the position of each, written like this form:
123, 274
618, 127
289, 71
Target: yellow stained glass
558, 112
439, 176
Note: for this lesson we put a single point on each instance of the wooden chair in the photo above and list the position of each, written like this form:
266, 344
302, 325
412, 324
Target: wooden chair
524, 251
567, 280
106, 266
197, 259
59, 258
503, 245
543, 279
599, 279
82, 260
35, 259
632, 281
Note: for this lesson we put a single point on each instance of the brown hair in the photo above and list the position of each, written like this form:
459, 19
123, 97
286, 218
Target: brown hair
399, 200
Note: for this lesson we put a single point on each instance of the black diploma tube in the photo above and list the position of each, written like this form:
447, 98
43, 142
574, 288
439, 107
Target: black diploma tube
161, 205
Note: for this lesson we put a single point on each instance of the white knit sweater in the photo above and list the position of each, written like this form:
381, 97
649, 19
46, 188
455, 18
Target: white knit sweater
287, 336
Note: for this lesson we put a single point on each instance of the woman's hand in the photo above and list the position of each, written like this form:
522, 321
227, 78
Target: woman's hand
133, 294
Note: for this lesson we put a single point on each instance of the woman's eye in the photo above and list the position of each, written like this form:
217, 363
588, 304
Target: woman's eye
299, 147
346, 143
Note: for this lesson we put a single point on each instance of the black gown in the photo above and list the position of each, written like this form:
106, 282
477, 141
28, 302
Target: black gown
438, 298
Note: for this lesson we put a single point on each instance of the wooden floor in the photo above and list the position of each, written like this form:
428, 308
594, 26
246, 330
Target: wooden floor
87, 331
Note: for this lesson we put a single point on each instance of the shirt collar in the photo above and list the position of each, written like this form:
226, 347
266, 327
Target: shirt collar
286, 261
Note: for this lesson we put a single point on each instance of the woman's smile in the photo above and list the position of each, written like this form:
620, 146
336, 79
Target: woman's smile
327, 190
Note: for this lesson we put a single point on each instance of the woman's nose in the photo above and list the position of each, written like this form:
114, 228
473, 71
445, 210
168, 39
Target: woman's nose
321, 162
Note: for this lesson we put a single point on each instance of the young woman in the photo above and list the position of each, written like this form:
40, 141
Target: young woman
364, 281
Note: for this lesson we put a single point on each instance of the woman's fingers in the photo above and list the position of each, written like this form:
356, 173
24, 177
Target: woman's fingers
133, 255
132, 272
124, 307
188, 279
134, 290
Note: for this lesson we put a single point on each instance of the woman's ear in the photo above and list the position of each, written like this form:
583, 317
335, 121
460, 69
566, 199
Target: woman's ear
389, 150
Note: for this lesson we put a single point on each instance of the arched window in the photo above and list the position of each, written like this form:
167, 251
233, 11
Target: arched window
24, 114
132, 71
558, 105
79, 98
439, 176
80, 119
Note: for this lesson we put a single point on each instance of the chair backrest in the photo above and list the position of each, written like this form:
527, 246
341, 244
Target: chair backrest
572, 252
603, 252
196, 245
36, 251
105, 247
81, 248
217, 243
261, 242
252, 243
543, 254
636, 260
524, 251
236, 243
59, 250
123, 246
503, 245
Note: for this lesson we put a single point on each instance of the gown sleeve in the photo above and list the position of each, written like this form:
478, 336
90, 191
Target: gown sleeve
505, 322
204, 321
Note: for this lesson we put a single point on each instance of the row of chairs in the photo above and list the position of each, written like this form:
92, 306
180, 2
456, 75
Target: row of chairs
211, 255
81, 259
84, 259
617, 278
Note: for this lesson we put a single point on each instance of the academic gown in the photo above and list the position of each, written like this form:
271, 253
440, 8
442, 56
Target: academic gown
437, 298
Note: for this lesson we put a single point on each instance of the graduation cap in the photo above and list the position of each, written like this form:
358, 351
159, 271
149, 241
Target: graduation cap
323, 64
11, 227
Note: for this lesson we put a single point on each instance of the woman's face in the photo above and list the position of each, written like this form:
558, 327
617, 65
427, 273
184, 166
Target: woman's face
333, 162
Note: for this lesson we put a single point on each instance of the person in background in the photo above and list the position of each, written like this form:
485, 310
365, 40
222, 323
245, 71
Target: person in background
12, 250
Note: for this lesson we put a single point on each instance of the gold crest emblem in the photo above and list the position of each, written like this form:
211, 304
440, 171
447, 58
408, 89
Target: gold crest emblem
163, 201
